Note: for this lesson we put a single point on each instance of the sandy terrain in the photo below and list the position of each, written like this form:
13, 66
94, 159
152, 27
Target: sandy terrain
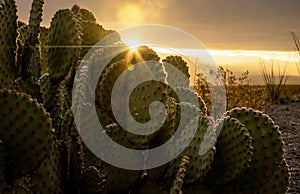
288, 118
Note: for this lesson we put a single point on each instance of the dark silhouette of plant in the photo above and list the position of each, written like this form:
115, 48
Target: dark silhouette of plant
297, 45
274, 82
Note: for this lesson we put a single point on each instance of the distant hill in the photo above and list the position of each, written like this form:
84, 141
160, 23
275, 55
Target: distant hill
258, 80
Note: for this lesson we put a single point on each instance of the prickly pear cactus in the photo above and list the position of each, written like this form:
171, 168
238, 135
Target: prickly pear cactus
93, 181
44, 33
234, 152
41, 150
200, 160
267, 146
178, 182
50, 176
64, 44
26, 132
8, 35
30, 64
180, 64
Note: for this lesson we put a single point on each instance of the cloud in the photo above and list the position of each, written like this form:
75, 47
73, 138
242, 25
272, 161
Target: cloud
219, 24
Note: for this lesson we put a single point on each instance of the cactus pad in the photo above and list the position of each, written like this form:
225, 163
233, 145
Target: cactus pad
279, 181
35, 20
86, 15
8, 35
21, 185
28, 85
44, 33
234, 152
26, 132
179, 180
267, 152
200, 151
31, 61
190, 95
106, 83
93, 181
179, 64
144, 53
64, 44
50, 176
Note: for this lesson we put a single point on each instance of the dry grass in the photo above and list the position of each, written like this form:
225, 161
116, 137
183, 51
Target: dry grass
274, 82
240, 92
297, 45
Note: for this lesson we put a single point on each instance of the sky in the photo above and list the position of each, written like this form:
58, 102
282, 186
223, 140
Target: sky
219, 24
232, 25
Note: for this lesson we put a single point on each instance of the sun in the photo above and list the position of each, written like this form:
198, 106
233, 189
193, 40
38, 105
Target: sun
130, 14
132, 42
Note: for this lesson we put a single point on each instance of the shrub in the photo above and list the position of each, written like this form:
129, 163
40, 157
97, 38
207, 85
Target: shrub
239, 91
274, 82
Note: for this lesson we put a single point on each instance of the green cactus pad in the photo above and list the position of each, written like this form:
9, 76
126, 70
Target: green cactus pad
57, 99
2, 165
124, 138
21, 185
8, 35
62, 103
267, 152
83, 91
147, 92
44, 33
86, 15
67, 127
181, 65
35, 20
144, 95
92, 33
144, 53
47, 90
26, 132
103, 117
234, 152
279, 182
119, 180
179, 180
106, 83
200, 151
188, 96
64, 44
28, 85
89, 158
31, 56
75, 162
35, 62
50, 176
93, 181
170, 126
178, 62
21, 31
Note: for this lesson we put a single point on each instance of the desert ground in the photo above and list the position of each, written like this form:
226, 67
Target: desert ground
287, 116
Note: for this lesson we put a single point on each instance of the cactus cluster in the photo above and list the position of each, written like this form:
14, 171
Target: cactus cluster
41, 150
